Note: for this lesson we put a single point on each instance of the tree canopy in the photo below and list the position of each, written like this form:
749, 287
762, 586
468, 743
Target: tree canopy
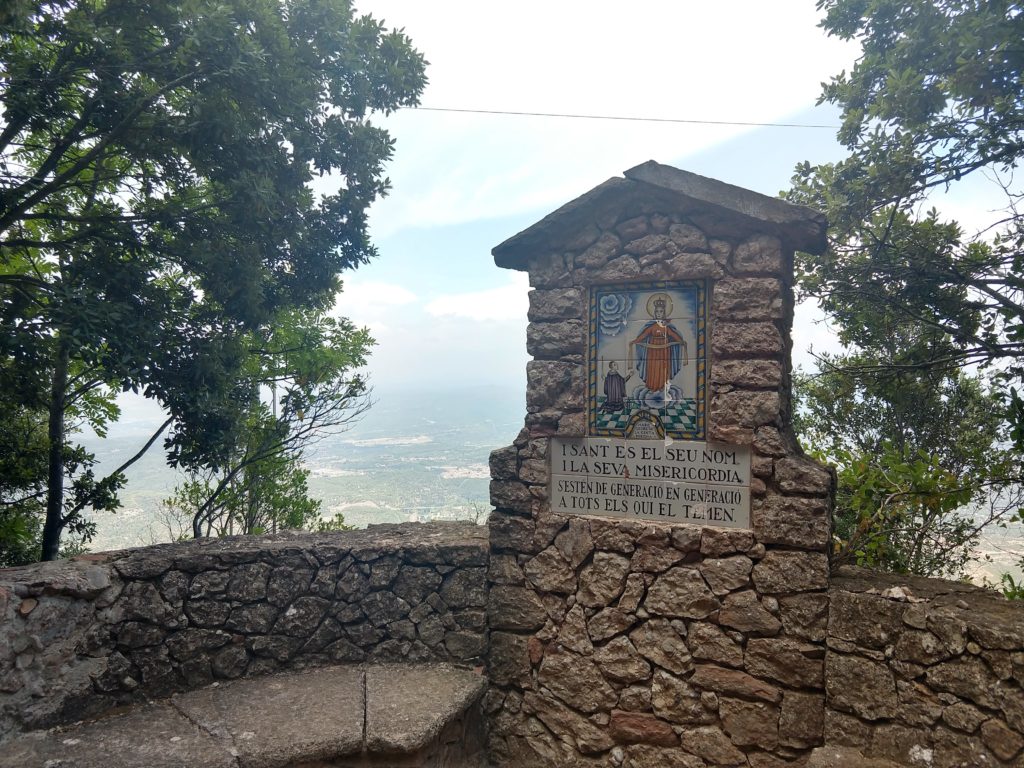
936, 96
156, 207
924, 308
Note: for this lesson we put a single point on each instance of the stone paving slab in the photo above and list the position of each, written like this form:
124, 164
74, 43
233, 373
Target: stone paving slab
312, 717
406, 707
150, 736
275, 721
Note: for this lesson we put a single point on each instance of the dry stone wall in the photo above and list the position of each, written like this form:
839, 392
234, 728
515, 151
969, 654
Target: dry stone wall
924, 672
619, 642
79, 637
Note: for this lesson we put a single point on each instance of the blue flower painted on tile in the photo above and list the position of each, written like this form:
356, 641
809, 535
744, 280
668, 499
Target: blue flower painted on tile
614, 308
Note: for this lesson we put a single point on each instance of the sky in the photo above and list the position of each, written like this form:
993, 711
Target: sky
441, 311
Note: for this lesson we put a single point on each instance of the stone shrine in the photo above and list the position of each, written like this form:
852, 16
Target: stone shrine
658, 546
653, 588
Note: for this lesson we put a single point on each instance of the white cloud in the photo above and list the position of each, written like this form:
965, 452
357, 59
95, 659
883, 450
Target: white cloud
362, 300
507, 302
661, 59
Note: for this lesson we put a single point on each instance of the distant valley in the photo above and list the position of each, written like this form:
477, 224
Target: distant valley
414, 455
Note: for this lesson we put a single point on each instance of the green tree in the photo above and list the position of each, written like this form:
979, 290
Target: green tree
936, 96
923, 463
156, 212
304, 364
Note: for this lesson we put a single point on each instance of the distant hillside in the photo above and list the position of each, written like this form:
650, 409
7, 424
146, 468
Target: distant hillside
416, 454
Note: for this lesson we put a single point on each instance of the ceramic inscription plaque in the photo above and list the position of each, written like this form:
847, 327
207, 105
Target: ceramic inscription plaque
669, 481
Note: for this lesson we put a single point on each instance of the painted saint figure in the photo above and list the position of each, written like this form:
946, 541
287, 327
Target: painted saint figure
615, 389
661, 351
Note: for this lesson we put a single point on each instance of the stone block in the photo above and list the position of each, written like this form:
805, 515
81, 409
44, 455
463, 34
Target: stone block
1004, 742
863, 687
802, 720
509, 660
517, 608
745, 409
726, 574
633, 227
870, 621
710, 744
755, 374
647, 756
750, 723
511, 496
786, 572
743, 611
573, 635
902, 745
577, 681
709, 643
552, 340
653, 243
620, 662
732, 682
620, 268
640, 728
918, 706
920, 648
552, 384
963, 716
549, 572
969, 678
508, 532
688, 238
719, 542
748, 298
248, 583
768, 441
549, 270
609, 622
677, 701
681, 592
796, 664
565, 724
557, 304
799, 474
791, 521
746, 340
842, 729
602, 581
759, 254
692, 266
575, 542
658, 641
464, 588
954, 750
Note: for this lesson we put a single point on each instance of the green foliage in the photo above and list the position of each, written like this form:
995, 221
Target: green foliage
923, 447
267, 496
922, 462
1011, 588
336, 523
304, 362
156, 214
935, 97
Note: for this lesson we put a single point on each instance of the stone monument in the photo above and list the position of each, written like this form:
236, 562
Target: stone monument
658, 545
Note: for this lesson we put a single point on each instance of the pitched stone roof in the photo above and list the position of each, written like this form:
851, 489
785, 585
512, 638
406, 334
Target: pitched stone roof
713, 205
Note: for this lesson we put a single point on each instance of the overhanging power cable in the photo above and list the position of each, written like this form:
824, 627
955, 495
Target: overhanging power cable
625, 118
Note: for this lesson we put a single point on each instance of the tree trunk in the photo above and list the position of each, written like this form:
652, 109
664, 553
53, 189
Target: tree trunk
55, 474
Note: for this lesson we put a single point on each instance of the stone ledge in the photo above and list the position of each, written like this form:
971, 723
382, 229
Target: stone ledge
345, 715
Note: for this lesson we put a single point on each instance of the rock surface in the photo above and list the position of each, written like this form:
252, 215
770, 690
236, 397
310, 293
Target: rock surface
350, 715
